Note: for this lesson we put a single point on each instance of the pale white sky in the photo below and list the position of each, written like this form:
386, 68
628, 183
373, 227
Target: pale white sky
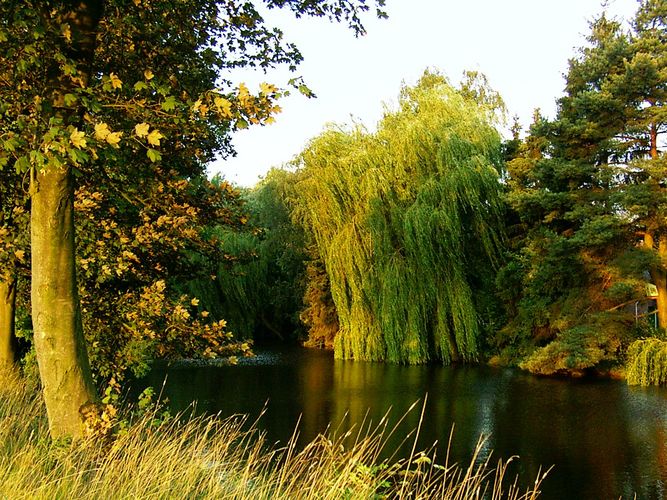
521, 45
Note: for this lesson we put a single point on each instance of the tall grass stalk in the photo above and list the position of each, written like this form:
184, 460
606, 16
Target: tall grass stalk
211, 457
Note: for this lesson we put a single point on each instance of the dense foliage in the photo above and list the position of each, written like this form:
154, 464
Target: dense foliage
131, 260
587, 193
402, 225
258, 287
399, 218
124, 102
647, 362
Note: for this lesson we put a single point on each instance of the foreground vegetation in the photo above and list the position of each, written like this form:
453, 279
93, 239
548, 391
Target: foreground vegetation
154, 456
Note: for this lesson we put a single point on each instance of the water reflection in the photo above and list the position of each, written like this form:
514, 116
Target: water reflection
606, 440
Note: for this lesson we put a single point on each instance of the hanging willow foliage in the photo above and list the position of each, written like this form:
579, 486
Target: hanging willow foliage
647, 362
396, 216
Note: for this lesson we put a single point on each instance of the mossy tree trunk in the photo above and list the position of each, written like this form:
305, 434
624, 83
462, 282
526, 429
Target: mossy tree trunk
7, 315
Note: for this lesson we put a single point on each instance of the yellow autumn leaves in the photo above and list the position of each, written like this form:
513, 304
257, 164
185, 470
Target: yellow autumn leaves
223, 106
267, 89
103, 133
153, 137
77, 138
244, 107
116, 82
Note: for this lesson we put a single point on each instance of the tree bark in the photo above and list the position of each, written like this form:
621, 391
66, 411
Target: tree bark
7, 318
659, 277
658, 273
661, 283
58, 333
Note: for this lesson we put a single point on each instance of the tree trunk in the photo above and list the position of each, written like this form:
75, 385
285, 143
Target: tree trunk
7, 333
658, 273
660, 281
58, 333
659, 277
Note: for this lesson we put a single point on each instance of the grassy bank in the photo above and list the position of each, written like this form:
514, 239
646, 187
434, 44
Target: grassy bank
217, 458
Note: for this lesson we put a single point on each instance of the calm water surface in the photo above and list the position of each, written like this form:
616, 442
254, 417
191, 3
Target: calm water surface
605, 439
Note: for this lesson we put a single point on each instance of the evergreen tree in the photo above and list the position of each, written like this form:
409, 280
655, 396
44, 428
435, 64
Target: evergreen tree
588, 186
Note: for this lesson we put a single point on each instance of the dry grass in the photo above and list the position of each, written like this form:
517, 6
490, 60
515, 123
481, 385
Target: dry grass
220, 458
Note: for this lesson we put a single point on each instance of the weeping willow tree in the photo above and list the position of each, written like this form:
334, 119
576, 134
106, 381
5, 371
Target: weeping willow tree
400, 217
647, 362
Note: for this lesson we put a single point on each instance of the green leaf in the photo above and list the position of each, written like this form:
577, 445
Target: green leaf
37, 159
154, 155
70, 99
77, 156
3, 161
169, 103
305, 90
22, 165
69, 69
55, 163
11, 144
52, 133
140, 86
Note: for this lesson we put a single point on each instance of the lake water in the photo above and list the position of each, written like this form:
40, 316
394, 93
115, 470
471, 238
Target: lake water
605, 439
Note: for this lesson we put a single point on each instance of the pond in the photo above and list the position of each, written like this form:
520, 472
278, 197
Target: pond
605, 439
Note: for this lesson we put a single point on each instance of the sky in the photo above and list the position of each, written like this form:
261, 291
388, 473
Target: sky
522, 46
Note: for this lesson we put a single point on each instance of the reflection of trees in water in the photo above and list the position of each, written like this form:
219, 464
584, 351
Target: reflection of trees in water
605, 439
600, 445
455, 396
646, 411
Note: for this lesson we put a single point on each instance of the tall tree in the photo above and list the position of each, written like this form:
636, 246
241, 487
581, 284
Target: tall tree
397, 216
587, 187
644, 85
614, 114
88, 84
